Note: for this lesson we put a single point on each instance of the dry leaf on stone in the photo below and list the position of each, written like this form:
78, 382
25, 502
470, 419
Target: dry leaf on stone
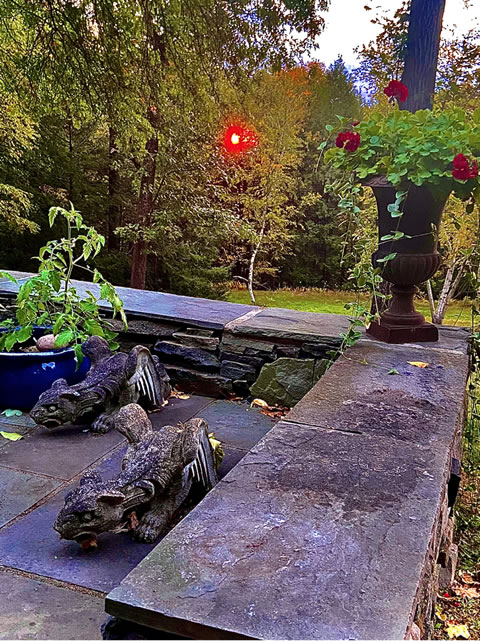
89, 543
133, 521
177, 394
457, 631
258, 402
418, 364
467, 593
11, 436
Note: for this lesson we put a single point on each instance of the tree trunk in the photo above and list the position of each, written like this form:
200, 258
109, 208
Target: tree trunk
252, 264
138, 274
421, 57
431, 300
113, 210
449, 288
71, 196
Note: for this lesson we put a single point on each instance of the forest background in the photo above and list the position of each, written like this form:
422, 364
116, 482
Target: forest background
121, 108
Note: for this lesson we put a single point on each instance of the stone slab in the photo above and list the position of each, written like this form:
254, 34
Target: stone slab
179, 410
35, 610
359, 395
315, 534
236, 424
19, 424
31, 544
20, 491
291, 325
196, 382
61, 453
194, 312
23, 421
183, 356
231, 458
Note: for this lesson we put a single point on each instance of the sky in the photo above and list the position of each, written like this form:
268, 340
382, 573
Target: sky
348, 25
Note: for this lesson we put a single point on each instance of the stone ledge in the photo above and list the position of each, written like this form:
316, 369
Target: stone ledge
196, 312
331, 526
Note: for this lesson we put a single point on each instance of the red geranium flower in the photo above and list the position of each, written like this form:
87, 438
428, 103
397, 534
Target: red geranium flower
462, 170
348, 140
396, 89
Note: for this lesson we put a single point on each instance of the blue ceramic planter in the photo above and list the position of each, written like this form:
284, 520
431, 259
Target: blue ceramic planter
24, 376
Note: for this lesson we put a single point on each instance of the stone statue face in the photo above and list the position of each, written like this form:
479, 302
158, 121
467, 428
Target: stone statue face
56, 406
92, 508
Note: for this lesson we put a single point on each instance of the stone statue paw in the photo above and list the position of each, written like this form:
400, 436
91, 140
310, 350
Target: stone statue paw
149, 528
103, 423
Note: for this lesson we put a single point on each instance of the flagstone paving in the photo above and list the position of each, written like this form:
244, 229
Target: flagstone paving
51, 588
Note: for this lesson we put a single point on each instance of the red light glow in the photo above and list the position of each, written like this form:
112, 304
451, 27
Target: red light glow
238, 139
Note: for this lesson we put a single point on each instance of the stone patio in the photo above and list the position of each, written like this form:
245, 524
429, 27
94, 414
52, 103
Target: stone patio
51, 589
335, 524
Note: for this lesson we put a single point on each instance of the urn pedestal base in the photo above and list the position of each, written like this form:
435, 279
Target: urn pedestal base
401, 323
396, 334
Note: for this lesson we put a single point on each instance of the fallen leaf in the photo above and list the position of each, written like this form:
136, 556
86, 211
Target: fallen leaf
218, 453
418, 364
133, 521
177, 394
457, 631
467, 593
467, 578
258, 402
393, 371
11, 436
90, 543
441, 615
9, 413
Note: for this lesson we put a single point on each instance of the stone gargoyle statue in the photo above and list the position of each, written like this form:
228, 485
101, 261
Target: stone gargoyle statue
114, 380
157, 474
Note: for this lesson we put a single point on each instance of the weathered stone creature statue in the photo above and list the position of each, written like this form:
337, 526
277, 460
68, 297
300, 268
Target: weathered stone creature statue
157, 474
114, 380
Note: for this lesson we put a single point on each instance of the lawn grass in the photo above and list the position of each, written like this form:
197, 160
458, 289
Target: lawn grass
333, 302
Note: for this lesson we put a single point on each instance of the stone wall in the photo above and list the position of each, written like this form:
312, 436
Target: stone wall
280, 370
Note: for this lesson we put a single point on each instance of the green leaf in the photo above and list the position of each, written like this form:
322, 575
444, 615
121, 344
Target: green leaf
8, 277
10, 341
57, 326
24, 334
393, 371
10, 413
11, 436
64, 338
329, 128
55, 280
386, 259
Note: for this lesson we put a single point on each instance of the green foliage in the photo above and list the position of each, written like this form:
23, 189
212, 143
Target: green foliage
17, 136
416, 148
51, 299
315, 258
